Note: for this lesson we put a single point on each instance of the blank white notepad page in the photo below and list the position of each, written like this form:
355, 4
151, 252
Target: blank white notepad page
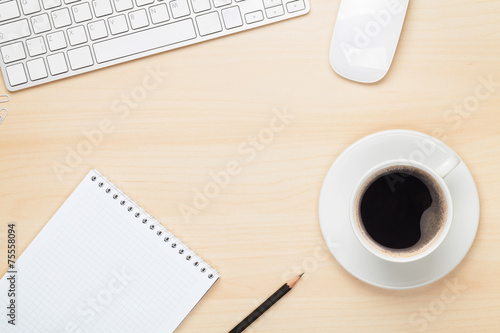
102, 264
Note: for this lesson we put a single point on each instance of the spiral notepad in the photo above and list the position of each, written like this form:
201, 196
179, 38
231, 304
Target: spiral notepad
102, 264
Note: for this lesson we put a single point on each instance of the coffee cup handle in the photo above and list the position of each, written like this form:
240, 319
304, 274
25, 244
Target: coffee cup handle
448, 165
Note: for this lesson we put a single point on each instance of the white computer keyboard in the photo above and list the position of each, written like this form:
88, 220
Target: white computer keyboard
46, 40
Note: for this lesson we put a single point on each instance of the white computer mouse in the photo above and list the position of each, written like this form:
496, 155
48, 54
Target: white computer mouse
365, 38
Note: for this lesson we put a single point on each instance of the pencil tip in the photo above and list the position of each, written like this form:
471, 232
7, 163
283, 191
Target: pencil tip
293, 281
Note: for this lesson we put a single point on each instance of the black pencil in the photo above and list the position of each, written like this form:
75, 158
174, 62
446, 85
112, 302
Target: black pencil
266, 305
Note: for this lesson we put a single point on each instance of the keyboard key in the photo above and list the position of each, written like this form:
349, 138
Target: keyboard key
30, 6
209, 23
97, 30
102, 8
138, 19
80, 58
295, 6
272, 3
81, 12
37, 69
122, 5
220, 3
143, 2
70, 1
232, 17
145, 40
200, 5
48, 4
8, 10
61, 18
56, 41
40, 23
159, 13
36, 46
77, 35
14, 30
16, 74
13, 52
275, 11
254, 17
118, 24
57, 63
179, 8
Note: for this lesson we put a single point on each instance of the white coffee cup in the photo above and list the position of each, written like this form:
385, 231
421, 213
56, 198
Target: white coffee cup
438, 172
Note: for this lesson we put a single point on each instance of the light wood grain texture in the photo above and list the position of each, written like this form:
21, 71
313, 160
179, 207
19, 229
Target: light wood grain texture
263, 226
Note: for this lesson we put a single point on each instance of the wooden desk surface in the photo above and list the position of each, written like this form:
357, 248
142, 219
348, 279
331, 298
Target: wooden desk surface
263, 226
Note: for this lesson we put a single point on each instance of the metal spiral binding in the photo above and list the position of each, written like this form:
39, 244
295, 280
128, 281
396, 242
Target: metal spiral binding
152, 227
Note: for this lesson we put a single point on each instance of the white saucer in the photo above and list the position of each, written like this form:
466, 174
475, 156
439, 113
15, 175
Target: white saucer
334, 205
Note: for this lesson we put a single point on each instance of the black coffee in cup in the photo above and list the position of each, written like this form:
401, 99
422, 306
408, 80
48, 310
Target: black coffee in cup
401, 211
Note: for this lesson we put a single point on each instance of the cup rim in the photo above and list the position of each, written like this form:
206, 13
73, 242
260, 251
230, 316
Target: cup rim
393, 163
